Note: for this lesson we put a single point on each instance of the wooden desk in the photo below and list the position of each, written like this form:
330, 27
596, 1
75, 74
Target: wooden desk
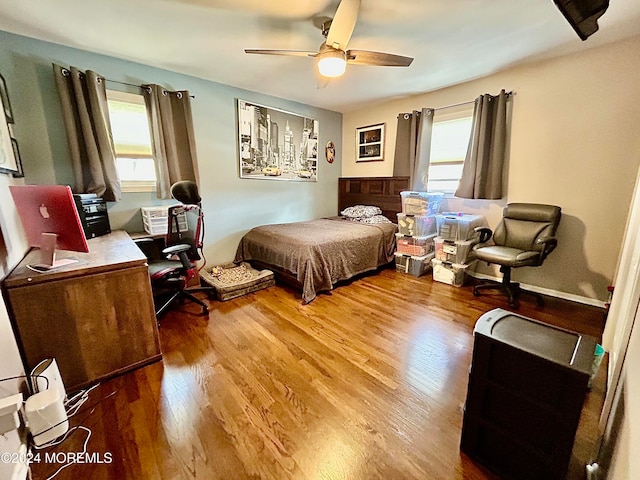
95, 317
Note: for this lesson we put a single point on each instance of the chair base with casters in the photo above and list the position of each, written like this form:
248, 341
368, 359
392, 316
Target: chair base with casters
165, 302
164, 298
511, 289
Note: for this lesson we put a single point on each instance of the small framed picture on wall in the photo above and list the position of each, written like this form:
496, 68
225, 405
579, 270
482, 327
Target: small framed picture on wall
370, 143
6, 104
8, 163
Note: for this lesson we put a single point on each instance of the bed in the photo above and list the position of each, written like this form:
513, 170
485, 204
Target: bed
315, 255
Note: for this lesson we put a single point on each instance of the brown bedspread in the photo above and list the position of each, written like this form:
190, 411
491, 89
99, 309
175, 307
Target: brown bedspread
320, 252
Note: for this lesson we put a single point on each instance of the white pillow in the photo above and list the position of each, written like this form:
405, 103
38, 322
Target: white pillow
361, 211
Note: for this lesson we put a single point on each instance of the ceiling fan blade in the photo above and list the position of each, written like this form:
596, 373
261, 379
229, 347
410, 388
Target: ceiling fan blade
343, 24
290, 53
364, 57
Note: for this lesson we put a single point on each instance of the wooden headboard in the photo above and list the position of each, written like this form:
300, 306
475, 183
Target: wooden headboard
383, 192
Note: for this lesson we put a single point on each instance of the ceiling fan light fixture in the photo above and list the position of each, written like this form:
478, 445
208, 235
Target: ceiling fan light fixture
332, 63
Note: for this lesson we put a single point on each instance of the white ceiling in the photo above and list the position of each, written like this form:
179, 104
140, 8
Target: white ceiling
452, 41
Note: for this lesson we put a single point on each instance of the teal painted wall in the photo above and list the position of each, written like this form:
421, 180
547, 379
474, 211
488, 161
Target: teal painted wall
232, 205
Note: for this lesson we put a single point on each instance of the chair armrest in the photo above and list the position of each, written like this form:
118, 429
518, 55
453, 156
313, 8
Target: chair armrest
176, 249
485, 234
181, 251
550, 244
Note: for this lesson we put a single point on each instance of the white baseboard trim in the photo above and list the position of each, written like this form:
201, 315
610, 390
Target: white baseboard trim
547, 291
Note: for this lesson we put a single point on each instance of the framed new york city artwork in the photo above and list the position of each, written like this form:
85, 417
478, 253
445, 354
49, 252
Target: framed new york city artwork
274, 144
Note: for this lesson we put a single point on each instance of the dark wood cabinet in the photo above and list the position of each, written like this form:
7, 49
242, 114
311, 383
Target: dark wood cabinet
527, 385
95, 317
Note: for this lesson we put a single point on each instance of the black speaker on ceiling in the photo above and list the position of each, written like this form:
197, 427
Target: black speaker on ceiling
583, 15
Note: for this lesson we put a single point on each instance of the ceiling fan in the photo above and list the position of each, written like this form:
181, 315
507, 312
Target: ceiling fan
333, 56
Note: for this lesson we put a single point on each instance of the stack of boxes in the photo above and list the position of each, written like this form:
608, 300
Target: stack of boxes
454, 246
416, 232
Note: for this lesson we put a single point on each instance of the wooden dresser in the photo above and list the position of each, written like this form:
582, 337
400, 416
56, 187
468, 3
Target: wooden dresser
95, 316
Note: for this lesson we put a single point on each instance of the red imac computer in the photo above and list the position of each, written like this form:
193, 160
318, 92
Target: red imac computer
50, 219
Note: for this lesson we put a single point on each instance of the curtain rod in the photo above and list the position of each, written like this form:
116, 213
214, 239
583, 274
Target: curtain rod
508, 94
132, 84
455, 105
66, 72
407, 115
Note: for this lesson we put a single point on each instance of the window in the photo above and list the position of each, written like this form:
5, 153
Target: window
449, 143
132, 141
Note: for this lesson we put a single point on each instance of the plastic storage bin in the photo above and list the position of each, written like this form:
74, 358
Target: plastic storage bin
457, 226
454, 251
156, 220
449, 273
416, 225
418, 246
413, 265
421, 203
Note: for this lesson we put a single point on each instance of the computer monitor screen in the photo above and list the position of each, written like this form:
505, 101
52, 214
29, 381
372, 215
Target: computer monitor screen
50, 219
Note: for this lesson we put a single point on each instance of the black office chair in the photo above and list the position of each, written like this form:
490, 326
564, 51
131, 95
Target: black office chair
172, 268
523, 238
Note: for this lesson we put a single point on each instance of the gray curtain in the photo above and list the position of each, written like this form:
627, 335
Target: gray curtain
172, 137
483, 165
413, 147
83, 98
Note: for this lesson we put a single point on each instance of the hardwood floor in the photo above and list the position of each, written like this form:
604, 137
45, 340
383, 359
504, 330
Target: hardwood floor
366, 382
